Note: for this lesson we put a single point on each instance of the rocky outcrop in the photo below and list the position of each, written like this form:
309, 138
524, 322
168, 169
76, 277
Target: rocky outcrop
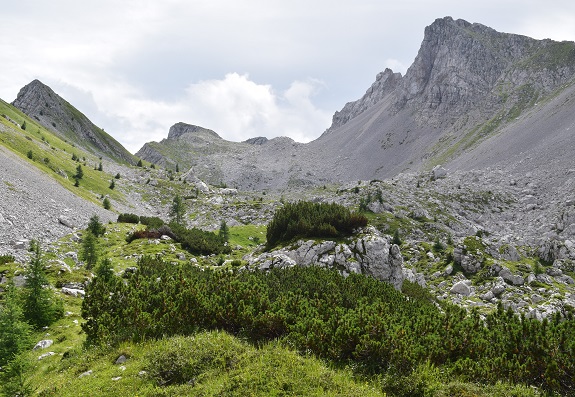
39, 101
385, 83
371, 254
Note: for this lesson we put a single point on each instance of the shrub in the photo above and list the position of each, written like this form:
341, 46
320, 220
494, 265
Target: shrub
199, 242
106, 203
128, 218
153, 222
311, 220
6, 259
30, 155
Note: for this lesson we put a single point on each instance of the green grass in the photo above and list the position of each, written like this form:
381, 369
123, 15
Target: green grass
206, 364
53, 156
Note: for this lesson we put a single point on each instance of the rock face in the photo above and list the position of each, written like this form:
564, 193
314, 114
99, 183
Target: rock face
385, 83
39, 101
370, 254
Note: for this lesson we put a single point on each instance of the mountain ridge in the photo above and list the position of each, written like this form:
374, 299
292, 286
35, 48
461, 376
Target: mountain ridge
467, 84
40, 102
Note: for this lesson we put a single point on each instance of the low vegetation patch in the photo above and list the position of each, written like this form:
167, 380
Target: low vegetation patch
355, 321
312, 220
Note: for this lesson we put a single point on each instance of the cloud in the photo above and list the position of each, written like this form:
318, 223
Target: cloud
236, 107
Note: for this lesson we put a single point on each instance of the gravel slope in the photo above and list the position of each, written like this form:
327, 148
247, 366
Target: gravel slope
34, 206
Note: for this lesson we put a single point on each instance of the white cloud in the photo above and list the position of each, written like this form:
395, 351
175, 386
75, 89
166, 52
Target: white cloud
236, 107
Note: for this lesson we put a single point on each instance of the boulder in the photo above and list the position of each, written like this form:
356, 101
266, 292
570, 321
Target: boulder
371, 254
66, 222
461, 288
438, 172
73, 292
509, 277
43, 344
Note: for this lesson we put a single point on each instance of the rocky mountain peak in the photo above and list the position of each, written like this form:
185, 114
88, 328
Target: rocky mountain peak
40, 102
180, 129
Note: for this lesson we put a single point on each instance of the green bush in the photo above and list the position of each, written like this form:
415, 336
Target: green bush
312, 220
152, 222
6, 259
128, 218
181, 360
199, 242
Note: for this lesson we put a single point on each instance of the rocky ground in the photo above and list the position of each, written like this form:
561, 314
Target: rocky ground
35, 206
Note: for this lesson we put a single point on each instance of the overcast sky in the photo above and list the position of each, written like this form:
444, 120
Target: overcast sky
242, 68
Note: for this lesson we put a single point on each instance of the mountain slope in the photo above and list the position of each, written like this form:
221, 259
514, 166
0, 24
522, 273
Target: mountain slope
40, 102
468, 84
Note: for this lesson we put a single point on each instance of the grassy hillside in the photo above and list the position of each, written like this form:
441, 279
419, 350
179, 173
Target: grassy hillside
47, 152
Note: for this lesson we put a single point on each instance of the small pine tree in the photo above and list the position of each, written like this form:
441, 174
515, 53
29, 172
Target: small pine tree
178, 210
105, 270
15, 332
77, 183
106, 203
96, 227
89, 252
14, 380
23, 126
224, 232
79, 172
100, 168
396, 239
30, 154
140, 164
74, 157
40, 307
112, 184
117, 176
177, 167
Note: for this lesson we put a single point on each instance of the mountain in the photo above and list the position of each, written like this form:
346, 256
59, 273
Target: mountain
40, 102
472, 96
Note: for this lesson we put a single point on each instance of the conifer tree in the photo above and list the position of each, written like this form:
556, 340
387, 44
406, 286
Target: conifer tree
178, 210
40, 307
14, 330
89, 253
224, 233
96, 227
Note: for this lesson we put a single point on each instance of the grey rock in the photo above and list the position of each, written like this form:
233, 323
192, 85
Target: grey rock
506, 274
87, 373
73, 292
461, 288
43, 356
121, 360
438, 172
43, 344
488, 296
553, 271
66, 222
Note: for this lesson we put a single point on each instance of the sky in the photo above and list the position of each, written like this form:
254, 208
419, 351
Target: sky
243, 68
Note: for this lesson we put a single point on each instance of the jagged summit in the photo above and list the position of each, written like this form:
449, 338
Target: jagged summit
39, 101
